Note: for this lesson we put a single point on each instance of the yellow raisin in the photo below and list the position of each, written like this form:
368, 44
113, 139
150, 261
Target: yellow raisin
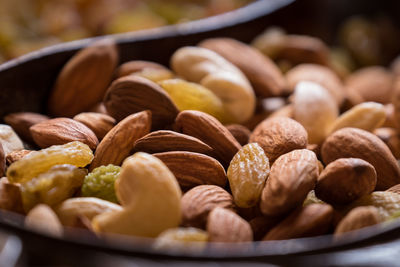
192, 96
74, 153
189, 237
53, 186
247, 174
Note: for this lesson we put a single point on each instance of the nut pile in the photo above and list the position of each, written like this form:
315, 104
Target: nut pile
222, 147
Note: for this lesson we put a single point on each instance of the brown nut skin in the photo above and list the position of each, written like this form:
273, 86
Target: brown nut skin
358, 218
22, 121
318, 74
345, 180
134, 66
357, 143
292, 176
16, 155
391, 138
191, 169
278, 136
394, 189
197, 203
209, 130
240, 132
264, 76
83, 80
131, 94
226, 226
310, 220
2, 161
372, 83
60, 131
99, 123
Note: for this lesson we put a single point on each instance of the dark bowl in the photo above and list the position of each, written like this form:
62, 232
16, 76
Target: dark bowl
26, 81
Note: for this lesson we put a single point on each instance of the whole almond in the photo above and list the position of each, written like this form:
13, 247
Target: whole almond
22, 121
265, 77
191, 169
358, 218
83, 80
164, 140
319, 74
345, 180
292, 176
132, 94
226, 226
366, 81
310, 220
60, 131
197, 203
278, 136
391, 138
210, 131
16, 155
134, 66
240, 132
99, 123
357, 143
119, 141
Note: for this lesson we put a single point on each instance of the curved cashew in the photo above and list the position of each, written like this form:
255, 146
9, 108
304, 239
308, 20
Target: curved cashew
209, 69
150, 196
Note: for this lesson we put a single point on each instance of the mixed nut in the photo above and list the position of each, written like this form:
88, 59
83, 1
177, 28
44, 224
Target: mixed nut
224, 147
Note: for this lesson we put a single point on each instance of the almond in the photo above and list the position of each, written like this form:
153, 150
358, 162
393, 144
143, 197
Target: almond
99, 123
357, 143
226, 226
358, 218
43, 219
345, 180
391, 138
319, 74
22, 121
292, 176
366, 81
16, 155
164, 140
310, 220
10, 196
119, 141
99, 108
278, 136
134, 66
60, 131
265, 77
83, 80
240, 132
197, 203
191, 169
132, 94
210, 131
394, 189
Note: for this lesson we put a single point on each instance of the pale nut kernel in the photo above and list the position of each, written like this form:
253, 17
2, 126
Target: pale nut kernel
345, 180
318, 74
9, 139
292, 176
226, 226
279, 135
181, 238
358, 218
247, 173
367, 116
209, 69
43, 219
315, 109
150, 197
310, 220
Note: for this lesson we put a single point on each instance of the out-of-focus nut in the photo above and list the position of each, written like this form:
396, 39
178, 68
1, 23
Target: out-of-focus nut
43, 219
345, 180
315, 109
391, 138
9, 139
188, 238
226, 226
240, 132
22, 121
150, 196
310, 220
134, 66
10, 196
367, 116
278, 136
